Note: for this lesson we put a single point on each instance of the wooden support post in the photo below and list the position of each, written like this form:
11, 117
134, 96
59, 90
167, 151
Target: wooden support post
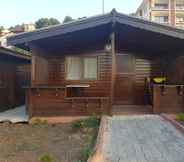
101, 106
113, 76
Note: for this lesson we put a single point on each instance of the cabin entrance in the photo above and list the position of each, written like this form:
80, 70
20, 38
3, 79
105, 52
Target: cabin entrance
125, 74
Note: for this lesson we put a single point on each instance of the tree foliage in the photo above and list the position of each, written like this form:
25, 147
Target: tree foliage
45, 22
1, 28
67, 19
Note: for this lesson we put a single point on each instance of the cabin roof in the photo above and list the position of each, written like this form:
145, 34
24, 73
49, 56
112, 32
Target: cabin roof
10, 53
86, 23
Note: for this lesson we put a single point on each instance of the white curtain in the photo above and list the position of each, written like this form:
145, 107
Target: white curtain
74, 68
90, 68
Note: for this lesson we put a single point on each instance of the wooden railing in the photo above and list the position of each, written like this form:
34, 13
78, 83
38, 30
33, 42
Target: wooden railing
168, 98
52, 101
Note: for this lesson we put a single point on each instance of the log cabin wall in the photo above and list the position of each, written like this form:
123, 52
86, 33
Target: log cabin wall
39, 67
13, 76
169, 98
53, 101
23, 79
7, 85
99, 87
174, 69
145, 67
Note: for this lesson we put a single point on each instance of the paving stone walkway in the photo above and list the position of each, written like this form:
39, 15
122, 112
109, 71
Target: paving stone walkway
15, 115
145, 138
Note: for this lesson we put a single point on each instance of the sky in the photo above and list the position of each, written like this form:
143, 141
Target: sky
15, 12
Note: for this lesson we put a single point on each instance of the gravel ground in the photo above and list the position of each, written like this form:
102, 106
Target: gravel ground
146, 138
27, 143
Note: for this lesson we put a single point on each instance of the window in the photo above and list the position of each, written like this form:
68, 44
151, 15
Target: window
161, 6
81, 68
180, 6
180, 19
161, 19
90, 68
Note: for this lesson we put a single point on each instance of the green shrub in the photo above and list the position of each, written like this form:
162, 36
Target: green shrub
87, 149
91, 122
39, 122
85, 153
46, 158
89, 127
180, 117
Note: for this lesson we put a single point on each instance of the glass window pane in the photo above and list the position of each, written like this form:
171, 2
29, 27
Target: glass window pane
74, 68
90, 68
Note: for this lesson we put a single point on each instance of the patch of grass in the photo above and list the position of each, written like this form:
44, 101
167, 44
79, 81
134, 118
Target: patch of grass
39, 122
46, 158
87, 149
180, 117
91, 122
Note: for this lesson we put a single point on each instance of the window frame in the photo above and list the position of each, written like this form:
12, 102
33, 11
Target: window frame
82, 78
160, 16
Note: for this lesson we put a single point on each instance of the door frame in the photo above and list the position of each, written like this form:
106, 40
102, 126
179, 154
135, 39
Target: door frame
124, 73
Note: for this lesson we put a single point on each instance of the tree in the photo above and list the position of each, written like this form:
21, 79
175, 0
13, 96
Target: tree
44, 22
67, 19
132, 14
1, 28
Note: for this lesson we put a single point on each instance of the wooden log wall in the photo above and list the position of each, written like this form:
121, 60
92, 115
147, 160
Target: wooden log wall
13, 76
23, 79
54, 72
99, 87
48, 103
175, 70
52, 102
168, 99
7, 86
144, 67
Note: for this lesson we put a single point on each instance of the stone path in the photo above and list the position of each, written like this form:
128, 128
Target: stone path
145, 138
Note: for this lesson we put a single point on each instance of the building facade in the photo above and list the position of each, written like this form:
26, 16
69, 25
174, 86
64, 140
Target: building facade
169, 12
16, 30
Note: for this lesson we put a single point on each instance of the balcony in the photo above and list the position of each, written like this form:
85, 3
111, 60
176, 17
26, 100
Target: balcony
179, 4
180, 20
161, 6
161, 19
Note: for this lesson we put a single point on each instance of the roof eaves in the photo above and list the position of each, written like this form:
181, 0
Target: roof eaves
150, 26
60, 29
14, 53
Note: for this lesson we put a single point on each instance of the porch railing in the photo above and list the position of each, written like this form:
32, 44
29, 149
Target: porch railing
47, 100
168, 98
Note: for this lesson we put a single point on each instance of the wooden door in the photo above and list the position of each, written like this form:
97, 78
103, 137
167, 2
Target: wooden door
125, 74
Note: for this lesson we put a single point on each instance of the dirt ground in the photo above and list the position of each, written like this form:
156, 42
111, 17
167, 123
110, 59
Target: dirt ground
28, 143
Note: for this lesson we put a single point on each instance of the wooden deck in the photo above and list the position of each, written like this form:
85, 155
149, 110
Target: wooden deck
145, 138
131, 109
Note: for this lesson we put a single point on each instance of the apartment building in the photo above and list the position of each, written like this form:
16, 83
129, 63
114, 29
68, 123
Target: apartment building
15, 30
170, 12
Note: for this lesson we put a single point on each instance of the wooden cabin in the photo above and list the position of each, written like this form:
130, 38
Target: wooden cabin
14, 74
91, 65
